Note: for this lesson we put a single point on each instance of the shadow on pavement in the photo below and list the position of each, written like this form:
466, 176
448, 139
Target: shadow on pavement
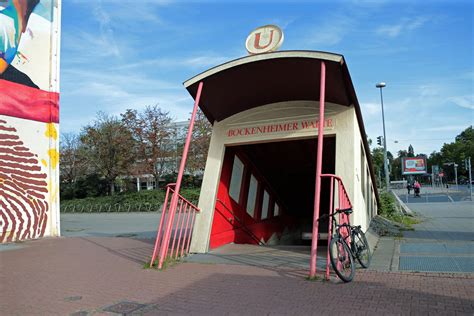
252, 294
138, 253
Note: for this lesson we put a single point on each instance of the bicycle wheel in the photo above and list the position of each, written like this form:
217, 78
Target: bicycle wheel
341, 259
362, 249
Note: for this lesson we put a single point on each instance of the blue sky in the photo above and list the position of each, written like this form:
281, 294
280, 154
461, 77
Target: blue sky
129, 54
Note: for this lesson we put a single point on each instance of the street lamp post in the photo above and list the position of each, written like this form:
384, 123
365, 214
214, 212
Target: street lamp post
468, 162
381, 85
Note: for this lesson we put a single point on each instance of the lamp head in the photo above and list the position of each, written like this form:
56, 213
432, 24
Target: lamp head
380, 85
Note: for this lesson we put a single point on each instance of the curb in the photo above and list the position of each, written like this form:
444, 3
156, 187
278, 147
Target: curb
405, 209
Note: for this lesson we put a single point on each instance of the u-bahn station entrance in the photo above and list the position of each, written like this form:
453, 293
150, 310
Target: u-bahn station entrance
259, 180
288, 145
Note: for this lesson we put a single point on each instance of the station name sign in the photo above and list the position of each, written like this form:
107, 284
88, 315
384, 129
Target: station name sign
274, 128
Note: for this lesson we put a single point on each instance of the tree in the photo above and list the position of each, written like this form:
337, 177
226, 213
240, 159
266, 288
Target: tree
107, 143
199, 147
151, 130
73, 167
457, 151
411, 151
377, 159
71, 161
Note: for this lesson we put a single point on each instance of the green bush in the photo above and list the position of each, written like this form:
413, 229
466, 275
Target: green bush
387, 205
147, 200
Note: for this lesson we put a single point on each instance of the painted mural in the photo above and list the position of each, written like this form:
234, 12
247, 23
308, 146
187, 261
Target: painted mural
29, 119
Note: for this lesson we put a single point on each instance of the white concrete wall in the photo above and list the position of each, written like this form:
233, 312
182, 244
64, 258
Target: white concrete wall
290, 115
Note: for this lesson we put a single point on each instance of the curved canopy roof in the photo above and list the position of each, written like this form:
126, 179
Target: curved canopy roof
257, 80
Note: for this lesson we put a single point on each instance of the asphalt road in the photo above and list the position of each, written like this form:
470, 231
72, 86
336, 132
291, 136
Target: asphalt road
436, 195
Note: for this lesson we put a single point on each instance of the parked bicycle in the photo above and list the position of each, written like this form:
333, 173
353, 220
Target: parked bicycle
344, 248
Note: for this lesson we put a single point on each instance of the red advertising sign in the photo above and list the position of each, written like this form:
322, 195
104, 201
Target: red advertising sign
413, 165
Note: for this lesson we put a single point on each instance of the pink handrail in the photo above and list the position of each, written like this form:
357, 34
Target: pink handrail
183, 228
176, 197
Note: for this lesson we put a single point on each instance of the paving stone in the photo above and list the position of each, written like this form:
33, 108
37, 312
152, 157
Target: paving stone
124, 307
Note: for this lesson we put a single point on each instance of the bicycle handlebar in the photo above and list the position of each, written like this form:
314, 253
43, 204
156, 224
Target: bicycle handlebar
346, 211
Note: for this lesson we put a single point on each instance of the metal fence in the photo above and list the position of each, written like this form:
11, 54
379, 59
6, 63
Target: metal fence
112, 207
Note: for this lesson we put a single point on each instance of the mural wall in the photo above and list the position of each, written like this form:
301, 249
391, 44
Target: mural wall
29, 119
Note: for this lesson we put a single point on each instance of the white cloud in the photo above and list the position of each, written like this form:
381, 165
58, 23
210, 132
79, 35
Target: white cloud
429, 90
86, 46
466, 101
331, 31
200, 61
405, 25
370, 108
107, 36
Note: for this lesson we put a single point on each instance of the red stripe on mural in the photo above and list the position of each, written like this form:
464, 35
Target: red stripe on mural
18, 153
20, 148
18, 159
9, 143
20, 101
6, 136
7, 129
12, 221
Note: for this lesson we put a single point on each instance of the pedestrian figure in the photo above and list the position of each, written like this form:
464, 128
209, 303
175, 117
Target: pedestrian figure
416, 189
409, 187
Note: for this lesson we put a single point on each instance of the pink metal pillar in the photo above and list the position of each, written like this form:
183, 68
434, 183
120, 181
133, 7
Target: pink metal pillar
319, 158
331, 208
159, 235
174, 199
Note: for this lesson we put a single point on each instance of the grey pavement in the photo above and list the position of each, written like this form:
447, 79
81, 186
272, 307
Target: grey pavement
102, 275
444, 221
430, 194
139, 225
262, 256
105, 276
442, 242
384, 257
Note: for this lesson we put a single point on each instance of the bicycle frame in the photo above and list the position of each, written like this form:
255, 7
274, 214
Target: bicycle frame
351, 232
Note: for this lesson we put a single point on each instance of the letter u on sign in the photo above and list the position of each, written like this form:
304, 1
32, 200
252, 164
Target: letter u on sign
257, 45
264, 39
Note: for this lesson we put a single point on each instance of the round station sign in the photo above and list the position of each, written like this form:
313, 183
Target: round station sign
264, 39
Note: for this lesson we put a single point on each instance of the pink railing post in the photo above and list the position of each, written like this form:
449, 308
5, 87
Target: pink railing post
341, 202
176, 228
174, 199
181, 228
319, 158
186, 229
331, 202
191, 229
158, 233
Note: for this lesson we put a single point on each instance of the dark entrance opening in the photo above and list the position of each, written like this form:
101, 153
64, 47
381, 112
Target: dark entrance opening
266, 192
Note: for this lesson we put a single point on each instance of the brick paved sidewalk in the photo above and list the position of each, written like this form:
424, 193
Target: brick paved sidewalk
69, 275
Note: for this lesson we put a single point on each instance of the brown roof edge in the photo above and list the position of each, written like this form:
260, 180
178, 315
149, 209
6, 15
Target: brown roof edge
252, 58
351, 91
